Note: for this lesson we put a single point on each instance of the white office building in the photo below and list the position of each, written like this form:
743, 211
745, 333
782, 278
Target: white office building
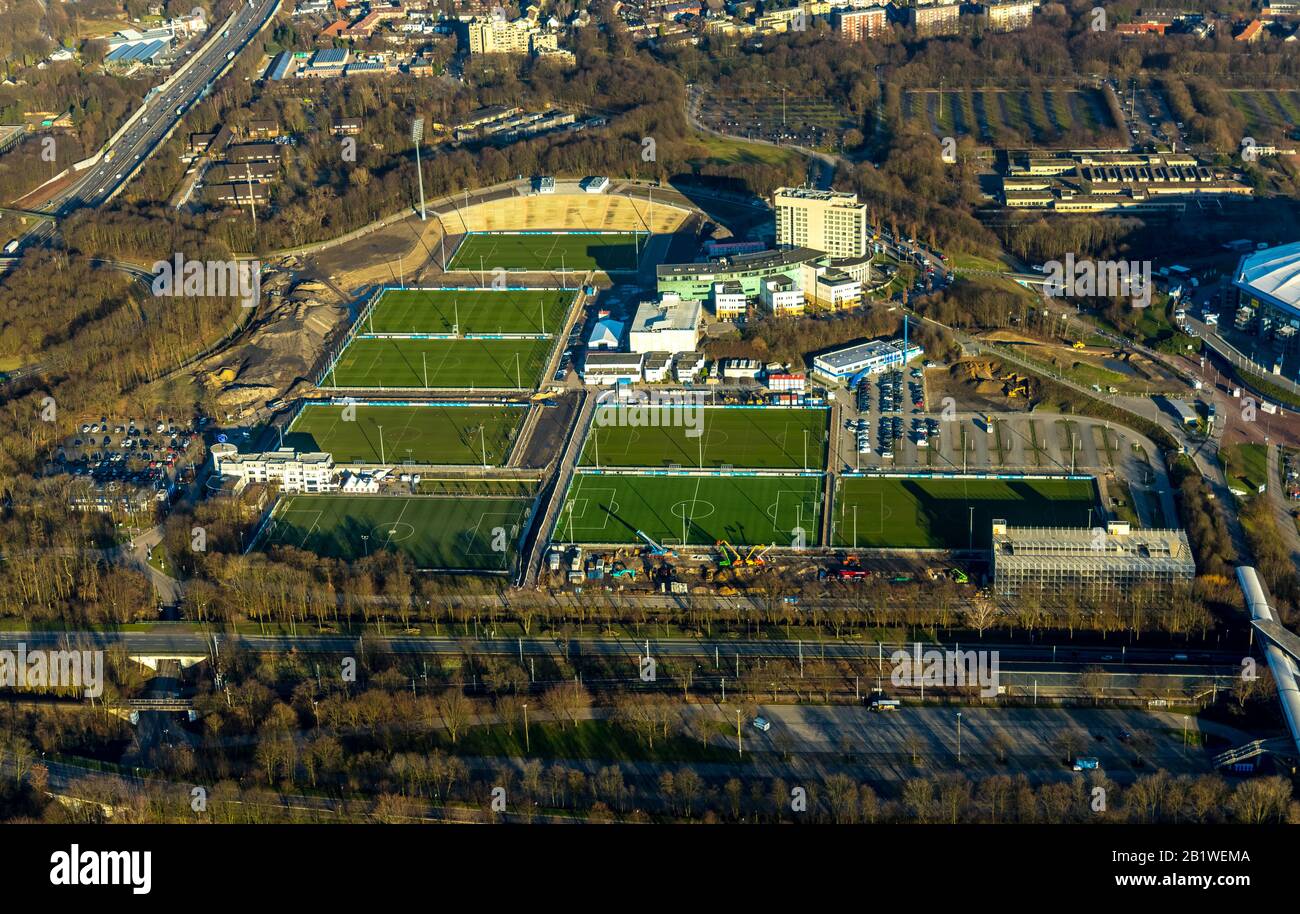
781, 296
292, 471
729, 301
874, 357
604, 368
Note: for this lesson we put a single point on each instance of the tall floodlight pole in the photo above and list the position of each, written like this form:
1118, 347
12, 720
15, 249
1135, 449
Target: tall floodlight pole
252, 203
417, 134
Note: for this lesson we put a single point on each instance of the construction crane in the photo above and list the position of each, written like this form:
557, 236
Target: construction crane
756, 555
959, 576
652, 547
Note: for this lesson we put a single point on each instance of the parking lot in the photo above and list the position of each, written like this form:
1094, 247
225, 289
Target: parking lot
892, 423
135, 452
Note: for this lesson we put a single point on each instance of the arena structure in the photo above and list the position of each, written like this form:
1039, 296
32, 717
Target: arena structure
561, 211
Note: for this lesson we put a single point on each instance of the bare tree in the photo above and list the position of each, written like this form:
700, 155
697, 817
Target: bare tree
568, 700
455, 710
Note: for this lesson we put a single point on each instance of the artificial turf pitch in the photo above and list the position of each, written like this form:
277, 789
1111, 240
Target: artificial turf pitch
433, 532
744, 510
741, 438
416, 434
456, 364
469, 311
936, 513
486, 251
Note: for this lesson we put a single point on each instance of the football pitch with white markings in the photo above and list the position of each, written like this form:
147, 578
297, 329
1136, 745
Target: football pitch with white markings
470, 533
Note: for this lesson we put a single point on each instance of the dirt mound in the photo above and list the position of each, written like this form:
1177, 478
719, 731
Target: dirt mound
276, 354
1008, 336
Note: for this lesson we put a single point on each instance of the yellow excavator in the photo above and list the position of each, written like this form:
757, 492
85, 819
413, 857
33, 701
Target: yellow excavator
728, 557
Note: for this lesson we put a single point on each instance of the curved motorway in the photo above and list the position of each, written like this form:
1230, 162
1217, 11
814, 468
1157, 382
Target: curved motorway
159, 114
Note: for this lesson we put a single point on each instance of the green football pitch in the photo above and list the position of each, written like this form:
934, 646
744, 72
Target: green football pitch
458, 364
487, 251
475, 534
411, 434
936, 513
742, 438
699, 510
470, 310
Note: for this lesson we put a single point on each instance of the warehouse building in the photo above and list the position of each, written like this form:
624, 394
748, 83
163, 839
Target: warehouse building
1033, 561
668, 325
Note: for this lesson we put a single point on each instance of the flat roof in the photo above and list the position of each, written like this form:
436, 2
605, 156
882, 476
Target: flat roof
741, 263
655, 317
1083, 542
811, 193
597, 359
851, 355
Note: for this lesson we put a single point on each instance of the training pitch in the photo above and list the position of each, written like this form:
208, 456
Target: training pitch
487, 251
699, 510
936, 513
468, 311
691, 436
411, 434
461, 533
454, 364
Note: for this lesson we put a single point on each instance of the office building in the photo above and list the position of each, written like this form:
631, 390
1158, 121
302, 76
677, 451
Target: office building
824, 220
873, 357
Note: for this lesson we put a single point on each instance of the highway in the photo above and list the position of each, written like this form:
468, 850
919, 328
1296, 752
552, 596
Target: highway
161, 111
1062, 657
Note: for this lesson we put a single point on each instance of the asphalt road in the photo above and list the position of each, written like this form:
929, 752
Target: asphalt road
712, 656
161, 112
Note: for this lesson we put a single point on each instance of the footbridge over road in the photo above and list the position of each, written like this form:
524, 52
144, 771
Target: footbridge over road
1282, 649
156, 661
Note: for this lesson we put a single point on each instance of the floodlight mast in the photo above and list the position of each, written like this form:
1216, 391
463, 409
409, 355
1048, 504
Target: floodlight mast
417, 133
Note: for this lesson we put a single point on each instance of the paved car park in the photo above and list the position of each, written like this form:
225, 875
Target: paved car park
138, 452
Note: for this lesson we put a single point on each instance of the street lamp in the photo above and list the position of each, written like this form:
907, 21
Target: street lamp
959, 736
527, 742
